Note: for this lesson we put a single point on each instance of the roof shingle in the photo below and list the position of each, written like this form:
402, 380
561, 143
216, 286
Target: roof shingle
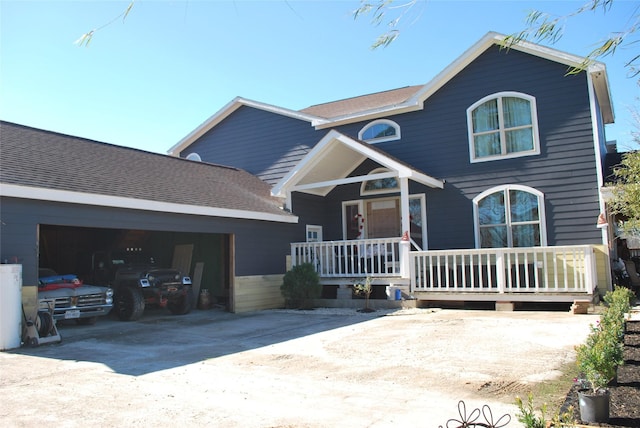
38, 158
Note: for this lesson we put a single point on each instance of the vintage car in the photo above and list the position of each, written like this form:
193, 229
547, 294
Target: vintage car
68, 298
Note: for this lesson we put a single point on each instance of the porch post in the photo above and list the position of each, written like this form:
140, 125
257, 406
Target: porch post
405, 244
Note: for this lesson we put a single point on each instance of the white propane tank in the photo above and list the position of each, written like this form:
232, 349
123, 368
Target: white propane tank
10, 306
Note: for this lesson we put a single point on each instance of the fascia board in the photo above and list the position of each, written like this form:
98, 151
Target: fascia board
305, 164
53, 195
416, 102
229, 108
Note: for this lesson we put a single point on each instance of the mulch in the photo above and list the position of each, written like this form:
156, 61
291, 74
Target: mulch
625, 393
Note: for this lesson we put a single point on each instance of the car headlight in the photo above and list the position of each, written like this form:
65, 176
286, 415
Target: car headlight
109, 292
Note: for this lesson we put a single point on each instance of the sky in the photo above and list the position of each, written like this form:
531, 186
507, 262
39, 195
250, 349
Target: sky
148, 81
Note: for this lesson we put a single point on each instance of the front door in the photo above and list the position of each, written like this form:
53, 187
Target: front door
383, 218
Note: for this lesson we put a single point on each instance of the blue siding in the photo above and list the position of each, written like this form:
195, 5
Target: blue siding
435, 141
260, 246
265, 144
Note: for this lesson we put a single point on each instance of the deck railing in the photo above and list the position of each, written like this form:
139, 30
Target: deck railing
567, 269
352, 258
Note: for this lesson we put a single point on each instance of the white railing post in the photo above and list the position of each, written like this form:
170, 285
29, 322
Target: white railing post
500, 271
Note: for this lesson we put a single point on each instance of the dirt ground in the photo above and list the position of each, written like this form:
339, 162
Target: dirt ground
321, 368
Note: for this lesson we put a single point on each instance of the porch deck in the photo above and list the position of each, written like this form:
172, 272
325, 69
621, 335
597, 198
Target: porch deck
534, 274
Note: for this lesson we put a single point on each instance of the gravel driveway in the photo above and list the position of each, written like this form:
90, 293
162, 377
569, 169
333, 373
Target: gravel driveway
321, 368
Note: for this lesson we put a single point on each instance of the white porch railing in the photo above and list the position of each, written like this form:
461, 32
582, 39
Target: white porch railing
353, 258
569, 269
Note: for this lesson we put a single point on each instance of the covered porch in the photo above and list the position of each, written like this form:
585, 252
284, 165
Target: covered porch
533, 274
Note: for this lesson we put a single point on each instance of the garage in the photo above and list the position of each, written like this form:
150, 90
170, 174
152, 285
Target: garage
87, 251
67, 202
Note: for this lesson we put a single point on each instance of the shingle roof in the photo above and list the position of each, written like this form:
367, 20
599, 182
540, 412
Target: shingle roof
362, 103
48, 160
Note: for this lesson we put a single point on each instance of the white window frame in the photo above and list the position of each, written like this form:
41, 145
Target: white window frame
506, 188
360, 203
504, 155
313, 228
391, 123
364, 192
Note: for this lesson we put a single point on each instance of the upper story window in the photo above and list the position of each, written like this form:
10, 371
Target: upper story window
509, 216
380, 185
379, 131
503, 125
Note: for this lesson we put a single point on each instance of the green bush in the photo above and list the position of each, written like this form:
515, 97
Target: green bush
300, 286
601, 354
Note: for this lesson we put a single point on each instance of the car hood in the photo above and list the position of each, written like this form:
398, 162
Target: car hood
67, 292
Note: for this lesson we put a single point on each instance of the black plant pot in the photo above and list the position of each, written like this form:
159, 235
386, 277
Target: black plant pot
594, 407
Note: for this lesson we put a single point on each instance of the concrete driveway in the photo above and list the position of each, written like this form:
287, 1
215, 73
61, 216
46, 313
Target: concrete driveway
322, 368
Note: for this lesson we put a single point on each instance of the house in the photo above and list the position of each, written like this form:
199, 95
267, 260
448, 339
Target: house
65, 200
483, 184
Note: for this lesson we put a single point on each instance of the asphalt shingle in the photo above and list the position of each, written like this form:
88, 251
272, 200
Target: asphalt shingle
38, 158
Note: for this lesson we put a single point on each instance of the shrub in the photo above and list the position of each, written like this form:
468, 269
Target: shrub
601, 354
300, 286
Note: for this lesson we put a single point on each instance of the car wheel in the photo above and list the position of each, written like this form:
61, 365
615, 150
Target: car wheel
183, 305
129, 304
87, 321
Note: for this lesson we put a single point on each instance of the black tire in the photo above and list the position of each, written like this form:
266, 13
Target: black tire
129, 304
183, 305
44, 324
86, 321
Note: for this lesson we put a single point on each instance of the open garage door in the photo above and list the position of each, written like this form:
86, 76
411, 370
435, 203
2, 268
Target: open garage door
85, 251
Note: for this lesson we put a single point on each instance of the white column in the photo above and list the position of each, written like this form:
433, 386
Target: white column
405, 244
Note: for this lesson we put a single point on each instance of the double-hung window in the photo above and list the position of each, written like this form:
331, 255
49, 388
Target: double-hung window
510, 216
503, 125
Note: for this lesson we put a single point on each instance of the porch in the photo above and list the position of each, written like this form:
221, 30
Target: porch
533, 274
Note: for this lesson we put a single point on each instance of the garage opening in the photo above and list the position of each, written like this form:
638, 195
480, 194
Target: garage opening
86, 251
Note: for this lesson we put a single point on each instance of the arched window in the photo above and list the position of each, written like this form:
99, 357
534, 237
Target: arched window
194, 157
509, 216
380, 185
379, 131
503, 125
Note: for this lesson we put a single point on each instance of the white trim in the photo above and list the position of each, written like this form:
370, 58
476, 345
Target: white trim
378, 174
501, 128
307, 163
360, 204
391, 123
226, 111
507, 187
313, 228
416, 102
37, 193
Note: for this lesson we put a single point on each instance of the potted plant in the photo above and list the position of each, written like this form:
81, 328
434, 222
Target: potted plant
599, 357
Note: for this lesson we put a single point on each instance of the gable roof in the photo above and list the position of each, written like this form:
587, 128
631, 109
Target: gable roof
331, 161
409, 98
38, 164
362, 103
596, 72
